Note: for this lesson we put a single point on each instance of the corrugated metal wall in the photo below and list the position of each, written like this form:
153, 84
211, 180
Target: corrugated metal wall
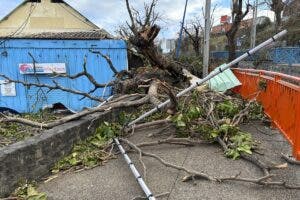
71, 52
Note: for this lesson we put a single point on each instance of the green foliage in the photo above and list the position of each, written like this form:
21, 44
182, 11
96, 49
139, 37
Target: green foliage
29, 192
41, 116
89, 153
256, 112
225, 130
194, 64
240, 143
14, 132
194, 112
227, 109
206, 131
184, 120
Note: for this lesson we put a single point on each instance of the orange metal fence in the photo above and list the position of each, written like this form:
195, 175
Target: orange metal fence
280, 97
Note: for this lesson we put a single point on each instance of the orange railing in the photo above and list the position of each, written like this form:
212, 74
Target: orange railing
280, 97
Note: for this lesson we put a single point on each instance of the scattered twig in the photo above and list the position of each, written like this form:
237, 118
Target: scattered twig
167, 164
193, 175
290, 159
174, 141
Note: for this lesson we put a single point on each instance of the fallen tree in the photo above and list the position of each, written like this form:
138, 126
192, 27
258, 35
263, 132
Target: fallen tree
202, 117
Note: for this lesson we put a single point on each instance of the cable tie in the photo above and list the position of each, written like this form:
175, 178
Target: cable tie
150, 195
274, 40
138, 177
220, 70
249, 54
158, 109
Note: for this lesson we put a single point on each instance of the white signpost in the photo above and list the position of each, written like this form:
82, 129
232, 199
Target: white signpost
8, 89
42, 68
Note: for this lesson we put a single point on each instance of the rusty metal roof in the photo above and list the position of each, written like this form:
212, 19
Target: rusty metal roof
72, 35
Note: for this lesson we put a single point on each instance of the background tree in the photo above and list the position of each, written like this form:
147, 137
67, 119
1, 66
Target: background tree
195, 29
277, 6
237, 16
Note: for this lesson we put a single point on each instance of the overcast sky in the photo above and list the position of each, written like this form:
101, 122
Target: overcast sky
109, 14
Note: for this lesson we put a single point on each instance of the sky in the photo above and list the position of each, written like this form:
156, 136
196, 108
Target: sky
110, 14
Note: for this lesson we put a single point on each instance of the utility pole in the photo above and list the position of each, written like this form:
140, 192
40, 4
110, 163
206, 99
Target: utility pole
254, 23
181, 30
206, 38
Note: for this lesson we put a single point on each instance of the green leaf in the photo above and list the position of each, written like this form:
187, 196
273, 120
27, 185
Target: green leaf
73, 161
181, 124
33, 194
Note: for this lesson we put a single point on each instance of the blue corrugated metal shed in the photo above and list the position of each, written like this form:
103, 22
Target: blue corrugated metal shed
71, 52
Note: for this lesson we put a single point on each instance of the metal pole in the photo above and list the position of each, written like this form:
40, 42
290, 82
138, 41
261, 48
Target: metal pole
135, 172
106, 101
206, 38
211, 75
181, 30
254, 23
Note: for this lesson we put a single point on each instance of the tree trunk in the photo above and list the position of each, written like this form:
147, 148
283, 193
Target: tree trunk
144, 42
278, 20
231, 48
196, 46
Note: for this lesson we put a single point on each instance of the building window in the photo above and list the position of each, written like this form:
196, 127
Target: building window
35, 1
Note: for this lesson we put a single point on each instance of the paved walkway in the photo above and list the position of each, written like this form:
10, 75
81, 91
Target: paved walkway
114, 180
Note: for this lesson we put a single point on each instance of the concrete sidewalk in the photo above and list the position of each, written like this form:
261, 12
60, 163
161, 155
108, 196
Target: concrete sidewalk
114, 180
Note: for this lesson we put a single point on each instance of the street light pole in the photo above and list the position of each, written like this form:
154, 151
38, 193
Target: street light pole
206, 38
181, 30
254, 23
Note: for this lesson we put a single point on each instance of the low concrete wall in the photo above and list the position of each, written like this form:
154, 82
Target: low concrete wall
33, 158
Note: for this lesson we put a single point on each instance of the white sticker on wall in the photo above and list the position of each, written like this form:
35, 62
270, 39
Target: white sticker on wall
42, 68
8, 89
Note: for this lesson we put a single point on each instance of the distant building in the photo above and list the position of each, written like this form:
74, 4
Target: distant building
167, 45
33, 16
223, 28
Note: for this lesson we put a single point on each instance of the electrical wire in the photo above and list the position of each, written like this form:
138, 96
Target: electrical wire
23, 25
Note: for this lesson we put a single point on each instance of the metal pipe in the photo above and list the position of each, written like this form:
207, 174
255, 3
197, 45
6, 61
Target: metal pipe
106, 101
135, 172
211, 75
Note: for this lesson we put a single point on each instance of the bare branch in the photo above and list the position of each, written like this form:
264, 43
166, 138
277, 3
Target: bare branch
108, 60
56, 86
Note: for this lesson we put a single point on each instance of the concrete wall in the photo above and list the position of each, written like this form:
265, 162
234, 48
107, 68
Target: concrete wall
33, 158
43, 17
